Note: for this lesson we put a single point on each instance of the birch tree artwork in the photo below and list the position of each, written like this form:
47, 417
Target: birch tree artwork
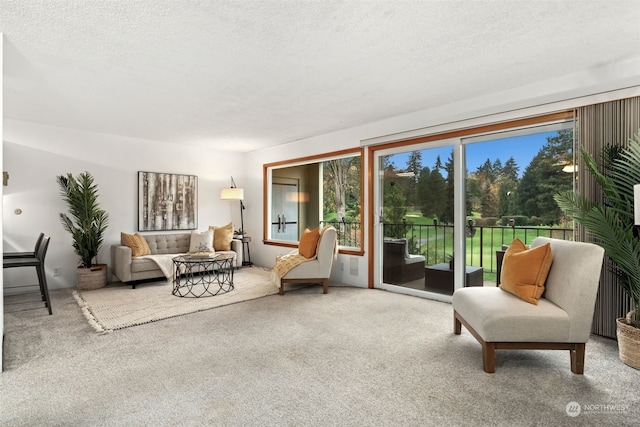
167, 201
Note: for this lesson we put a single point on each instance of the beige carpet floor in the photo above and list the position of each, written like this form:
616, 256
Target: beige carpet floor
118, 306
352, 357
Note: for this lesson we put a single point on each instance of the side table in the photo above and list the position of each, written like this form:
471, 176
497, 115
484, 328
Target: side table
439, 278
246, 261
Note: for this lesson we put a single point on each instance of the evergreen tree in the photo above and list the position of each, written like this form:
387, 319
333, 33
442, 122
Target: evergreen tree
438, 165
449, 193
485, 177
543, 178
433, 185
414, 164
424, 192
510, 170
395, 209
508, 184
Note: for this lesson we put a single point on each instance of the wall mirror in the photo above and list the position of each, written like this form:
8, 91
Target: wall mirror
313, 192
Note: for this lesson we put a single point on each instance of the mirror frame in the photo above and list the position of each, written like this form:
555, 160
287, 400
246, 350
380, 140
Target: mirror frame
318, 158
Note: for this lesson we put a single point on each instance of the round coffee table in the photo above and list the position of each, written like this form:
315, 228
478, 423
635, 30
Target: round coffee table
202, 276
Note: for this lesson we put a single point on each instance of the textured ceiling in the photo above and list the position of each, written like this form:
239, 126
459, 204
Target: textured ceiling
242, 75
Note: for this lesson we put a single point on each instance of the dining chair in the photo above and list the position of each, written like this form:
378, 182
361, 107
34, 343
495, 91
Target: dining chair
38, 263
25, 254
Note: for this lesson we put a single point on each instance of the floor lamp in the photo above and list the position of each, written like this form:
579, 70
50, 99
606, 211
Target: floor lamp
234, 193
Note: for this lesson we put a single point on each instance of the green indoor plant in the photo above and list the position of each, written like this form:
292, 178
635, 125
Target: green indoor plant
611, 222
86, 224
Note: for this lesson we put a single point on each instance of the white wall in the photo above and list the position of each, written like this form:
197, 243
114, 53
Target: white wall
1, 192
36, 154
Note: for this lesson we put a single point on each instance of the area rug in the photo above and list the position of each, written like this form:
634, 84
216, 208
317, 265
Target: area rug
118, 306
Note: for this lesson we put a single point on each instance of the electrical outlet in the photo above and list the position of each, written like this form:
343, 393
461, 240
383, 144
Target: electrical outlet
57, 271
353, 267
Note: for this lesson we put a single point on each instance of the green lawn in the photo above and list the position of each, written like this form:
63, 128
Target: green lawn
436, 243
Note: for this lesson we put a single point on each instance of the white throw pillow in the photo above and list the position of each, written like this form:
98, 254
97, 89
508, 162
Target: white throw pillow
201, 241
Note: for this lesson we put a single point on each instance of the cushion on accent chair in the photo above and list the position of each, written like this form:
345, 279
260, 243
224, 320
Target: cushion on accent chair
524, 270
222, 237
137, 243
201, 241
309, 243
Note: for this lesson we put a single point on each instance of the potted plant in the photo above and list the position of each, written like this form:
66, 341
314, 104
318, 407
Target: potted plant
611, 223
87, 224
239, 233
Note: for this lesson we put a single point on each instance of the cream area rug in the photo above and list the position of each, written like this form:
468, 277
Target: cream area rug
118, 306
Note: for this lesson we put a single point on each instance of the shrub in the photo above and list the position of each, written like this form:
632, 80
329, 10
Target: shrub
519, 220
489, 221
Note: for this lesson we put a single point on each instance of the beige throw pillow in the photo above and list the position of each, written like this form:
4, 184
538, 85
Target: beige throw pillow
201, 242
137, 243
222, 237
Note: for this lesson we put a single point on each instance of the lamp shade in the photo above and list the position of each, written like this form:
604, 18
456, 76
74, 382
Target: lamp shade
636, 203
232, 194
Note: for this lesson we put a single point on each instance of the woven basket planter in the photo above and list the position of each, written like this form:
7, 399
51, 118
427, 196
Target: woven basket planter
92, 278
628, 343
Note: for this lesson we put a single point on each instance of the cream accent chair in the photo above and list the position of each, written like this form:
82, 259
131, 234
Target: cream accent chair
561, 320
317, 270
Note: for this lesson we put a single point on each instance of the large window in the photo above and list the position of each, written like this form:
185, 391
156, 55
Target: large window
314, 192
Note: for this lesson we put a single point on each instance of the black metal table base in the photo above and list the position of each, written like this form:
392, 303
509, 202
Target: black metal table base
202, 278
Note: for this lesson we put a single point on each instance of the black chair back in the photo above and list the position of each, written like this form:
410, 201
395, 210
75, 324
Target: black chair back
42, 250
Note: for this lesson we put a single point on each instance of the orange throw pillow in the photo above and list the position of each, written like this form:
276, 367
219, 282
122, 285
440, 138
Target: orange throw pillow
309, 243
525, 270
137, 243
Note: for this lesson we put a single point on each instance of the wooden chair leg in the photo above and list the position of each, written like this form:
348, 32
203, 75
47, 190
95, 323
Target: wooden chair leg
577, 359
281, 290
489, 357
325, 286
457, 326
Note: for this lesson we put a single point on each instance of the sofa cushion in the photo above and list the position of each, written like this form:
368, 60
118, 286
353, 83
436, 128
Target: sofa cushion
499, 316
137, 243
201, 241
222, 237
525, 270
169, 243
143, 264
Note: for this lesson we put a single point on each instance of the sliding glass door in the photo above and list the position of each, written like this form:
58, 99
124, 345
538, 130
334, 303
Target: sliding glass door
511, 180
416, 226
446, 209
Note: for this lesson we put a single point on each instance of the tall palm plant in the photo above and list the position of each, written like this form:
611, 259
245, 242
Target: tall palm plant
89, 222
611, 223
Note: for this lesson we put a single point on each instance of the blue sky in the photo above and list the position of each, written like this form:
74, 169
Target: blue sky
521, 148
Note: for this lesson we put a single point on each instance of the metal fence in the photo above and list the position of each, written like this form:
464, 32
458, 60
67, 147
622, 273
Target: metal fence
435, 241
349, 233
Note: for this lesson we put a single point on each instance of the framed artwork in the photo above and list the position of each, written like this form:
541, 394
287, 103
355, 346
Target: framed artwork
167, 201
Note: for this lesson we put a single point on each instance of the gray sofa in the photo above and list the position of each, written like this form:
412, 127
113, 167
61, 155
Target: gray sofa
128, 269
